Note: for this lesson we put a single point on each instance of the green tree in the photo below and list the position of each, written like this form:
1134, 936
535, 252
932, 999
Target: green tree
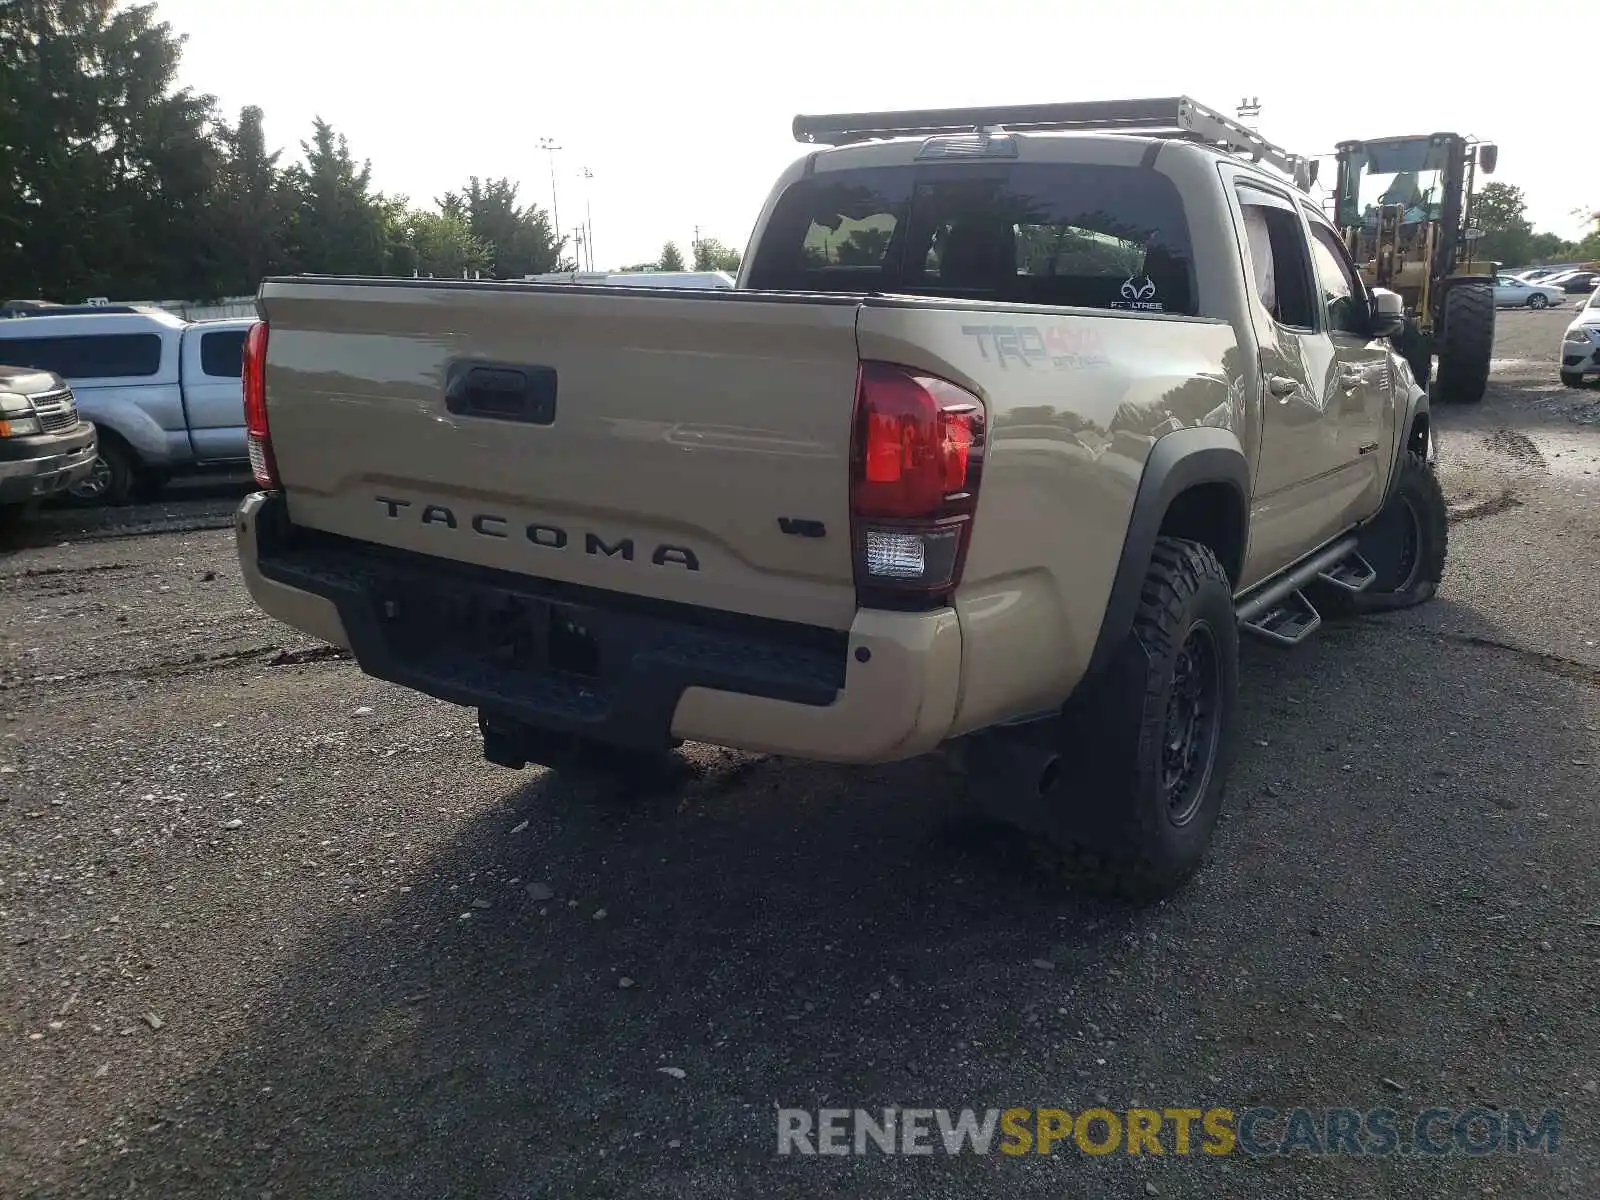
106, 167
1589, 247
1548, 247
1499, 210
253, 207
712, 255
444, 245
341, 226
671, 258
520, 241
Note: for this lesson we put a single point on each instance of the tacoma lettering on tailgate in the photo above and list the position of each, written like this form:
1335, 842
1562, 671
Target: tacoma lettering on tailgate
551, 537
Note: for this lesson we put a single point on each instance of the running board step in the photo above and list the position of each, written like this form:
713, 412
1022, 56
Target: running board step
1288, 621
1350, 574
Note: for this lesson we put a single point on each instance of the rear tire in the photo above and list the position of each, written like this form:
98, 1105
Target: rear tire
1466, 343
1406, 543
1146, 746
1572, 378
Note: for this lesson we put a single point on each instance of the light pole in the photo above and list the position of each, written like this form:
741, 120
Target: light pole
549, 146
588, 215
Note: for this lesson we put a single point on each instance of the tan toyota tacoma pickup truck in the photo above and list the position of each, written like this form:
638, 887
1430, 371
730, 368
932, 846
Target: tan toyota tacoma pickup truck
1016, 418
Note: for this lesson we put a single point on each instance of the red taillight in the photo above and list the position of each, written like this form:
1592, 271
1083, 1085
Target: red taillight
917, 458
262, 463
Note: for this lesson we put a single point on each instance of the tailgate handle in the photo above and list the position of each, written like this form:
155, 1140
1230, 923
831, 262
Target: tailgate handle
501, 392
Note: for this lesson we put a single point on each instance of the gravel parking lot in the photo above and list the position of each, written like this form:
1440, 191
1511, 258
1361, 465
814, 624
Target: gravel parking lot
269, 928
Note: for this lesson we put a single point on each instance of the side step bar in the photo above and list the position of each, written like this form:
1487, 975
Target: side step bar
1352, 574
1288, 622
1281, 612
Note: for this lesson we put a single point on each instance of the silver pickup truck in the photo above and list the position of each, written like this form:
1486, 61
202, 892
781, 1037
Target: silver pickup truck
164, 393
45, 447
1016, 419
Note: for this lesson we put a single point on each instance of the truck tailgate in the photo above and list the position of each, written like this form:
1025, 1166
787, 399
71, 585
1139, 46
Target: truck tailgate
691, 447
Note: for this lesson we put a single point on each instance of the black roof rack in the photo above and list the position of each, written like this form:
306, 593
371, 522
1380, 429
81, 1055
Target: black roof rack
1167, 116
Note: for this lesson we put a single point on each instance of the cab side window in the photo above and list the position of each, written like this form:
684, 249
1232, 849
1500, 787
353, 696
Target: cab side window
1280, 264
1343, 297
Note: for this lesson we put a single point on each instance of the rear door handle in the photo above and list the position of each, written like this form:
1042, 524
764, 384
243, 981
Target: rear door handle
501, 391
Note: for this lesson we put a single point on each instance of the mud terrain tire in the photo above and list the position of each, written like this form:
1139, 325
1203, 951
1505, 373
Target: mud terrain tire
1406, 543
1147, 745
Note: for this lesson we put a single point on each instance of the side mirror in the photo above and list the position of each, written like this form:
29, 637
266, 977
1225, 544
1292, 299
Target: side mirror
1488, 157
1388, 313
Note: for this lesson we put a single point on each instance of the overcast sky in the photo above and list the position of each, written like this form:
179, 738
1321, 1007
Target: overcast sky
682, 110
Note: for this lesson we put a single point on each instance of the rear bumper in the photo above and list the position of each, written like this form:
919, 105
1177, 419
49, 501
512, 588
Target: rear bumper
607, 666
36, 467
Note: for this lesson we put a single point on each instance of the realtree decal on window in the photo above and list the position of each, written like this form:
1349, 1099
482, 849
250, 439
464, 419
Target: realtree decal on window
1139, 295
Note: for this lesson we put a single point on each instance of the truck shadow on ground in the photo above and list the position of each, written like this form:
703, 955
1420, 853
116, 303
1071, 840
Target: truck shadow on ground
804, 935
206, 502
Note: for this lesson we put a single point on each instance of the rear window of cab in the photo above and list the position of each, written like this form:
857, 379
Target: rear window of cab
1085, 235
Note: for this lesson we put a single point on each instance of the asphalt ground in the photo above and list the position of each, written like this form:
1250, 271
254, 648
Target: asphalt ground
269, 928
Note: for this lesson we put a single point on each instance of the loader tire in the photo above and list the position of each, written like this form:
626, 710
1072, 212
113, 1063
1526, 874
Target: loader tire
1466, 343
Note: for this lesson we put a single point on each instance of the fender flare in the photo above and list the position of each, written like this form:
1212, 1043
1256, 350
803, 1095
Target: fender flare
1178, 461
1416, 404
143, 435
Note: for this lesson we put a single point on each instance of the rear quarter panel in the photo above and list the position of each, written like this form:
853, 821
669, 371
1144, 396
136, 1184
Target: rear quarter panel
1075, 399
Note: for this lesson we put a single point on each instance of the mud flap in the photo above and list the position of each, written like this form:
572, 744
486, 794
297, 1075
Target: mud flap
1101, 747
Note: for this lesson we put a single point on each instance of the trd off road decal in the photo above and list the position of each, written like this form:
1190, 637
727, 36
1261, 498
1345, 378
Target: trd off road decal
1139, 295
1064, 347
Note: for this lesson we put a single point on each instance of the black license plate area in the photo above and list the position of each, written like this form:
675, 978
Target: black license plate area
503, 628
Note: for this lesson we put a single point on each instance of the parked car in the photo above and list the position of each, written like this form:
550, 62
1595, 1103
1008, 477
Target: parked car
164, 393
45, 446
1511, 292
1536, 274
996, 448
1579, 281
1580, 345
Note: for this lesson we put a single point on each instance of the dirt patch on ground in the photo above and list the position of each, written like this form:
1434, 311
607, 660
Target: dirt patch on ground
1518, 445
1473, 510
